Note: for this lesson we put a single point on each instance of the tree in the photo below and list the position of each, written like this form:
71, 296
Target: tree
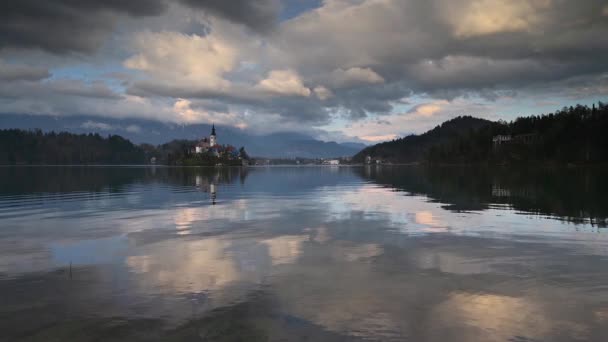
243, 154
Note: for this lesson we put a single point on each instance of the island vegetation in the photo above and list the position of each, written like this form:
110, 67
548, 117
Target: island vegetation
575, 135
181, 152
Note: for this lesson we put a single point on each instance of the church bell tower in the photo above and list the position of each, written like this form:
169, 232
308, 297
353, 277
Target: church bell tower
212, 137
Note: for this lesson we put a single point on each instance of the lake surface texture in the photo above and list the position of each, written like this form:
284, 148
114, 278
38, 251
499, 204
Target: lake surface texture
375, 253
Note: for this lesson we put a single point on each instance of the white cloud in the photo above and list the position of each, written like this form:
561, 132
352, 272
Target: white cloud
284, 82
184, 58
481, 17
187, 113
323, 93
96, 125
133, 129
428, 109
102, 126
355, 76
378, 138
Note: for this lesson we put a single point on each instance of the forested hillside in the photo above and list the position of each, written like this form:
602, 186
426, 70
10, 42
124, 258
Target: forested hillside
36, 147
415, 148
575, 134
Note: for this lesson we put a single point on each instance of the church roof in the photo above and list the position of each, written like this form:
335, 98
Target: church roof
213, 129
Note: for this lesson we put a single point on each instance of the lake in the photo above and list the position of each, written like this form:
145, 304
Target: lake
377, 253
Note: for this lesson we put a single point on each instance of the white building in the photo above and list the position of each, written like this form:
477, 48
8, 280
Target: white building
501, 139
206, 143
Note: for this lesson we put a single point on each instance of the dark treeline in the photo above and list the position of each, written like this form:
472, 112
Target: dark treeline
35, 147
20, 147
572, 135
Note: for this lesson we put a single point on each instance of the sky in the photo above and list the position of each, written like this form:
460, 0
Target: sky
343, 70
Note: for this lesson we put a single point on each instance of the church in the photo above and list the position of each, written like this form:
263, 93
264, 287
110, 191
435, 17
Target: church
207, 144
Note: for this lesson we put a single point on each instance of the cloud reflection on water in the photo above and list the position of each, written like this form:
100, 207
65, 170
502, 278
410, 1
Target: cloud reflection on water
357, 259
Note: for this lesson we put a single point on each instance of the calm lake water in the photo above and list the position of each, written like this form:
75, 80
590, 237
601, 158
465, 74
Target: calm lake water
303, 254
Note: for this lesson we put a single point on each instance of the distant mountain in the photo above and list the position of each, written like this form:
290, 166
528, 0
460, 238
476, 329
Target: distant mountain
415, 148
276, 145
358, 146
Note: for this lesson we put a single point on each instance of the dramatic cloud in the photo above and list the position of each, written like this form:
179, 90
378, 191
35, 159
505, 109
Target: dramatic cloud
394, 66
173, 57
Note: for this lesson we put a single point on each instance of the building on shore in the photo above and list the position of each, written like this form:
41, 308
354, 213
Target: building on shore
525, 139
331, 162
501, 139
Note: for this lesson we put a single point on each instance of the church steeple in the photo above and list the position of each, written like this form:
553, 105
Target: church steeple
212, 137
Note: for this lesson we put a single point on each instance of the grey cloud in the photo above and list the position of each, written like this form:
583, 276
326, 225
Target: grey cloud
293, 108
82, 26
90, 124
566, 39
51, 88
151, 88
78, 88
416, 47
14, 72
61, 26
102, 126
260, 15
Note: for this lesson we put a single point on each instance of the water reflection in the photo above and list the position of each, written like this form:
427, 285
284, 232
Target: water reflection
575, 194
290, 254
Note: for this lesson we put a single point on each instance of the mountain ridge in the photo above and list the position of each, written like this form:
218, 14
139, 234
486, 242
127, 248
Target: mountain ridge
414, 148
